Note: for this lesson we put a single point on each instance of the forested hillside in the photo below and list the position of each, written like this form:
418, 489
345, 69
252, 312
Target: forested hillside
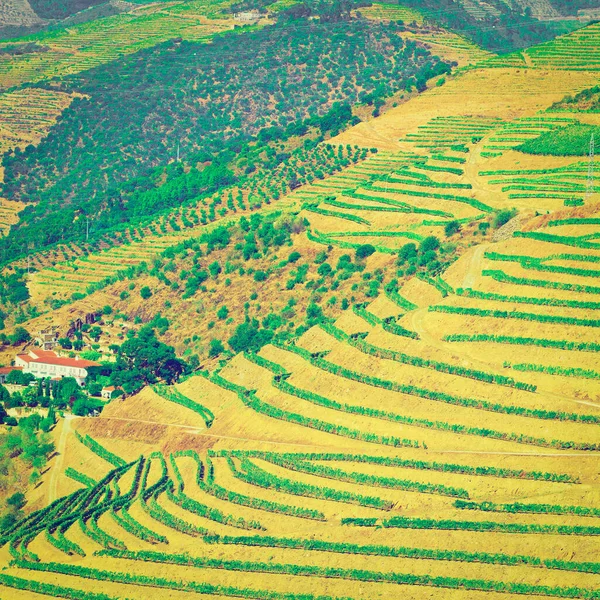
207, 102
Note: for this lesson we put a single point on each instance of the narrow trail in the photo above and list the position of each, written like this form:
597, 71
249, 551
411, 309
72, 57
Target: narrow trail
201, 431
58, 464
472, 275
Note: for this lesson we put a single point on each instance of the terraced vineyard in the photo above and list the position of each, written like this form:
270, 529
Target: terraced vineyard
393, 12
77, 275
577, 51
549, 188
27, 116
436, 438
88, 45
515, 133
322, 454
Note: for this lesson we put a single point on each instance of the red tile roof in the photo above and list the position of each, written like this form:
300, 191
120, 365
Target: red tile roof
7, 370
65, 362
51, 358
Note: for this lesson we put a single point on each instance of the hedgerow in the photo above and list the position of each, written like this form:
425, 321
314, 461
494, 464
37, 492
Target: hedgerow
578, 242
174, 395
286, 387
315, 208
388, 324
543, 283
489, 526
402, 302
60, 542
134, 527
469, 293
556, 370
524, 341
80, 477
574, 221
519, 507
100, 450
503, 314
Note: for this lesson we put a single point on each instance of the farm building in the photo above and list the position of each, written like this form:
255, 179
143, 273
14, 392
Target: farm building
47, 338
110, 391
247, 16
47, 363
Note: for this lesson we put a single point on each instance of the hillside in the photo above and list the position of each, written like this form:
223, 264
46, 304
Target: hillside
344, 271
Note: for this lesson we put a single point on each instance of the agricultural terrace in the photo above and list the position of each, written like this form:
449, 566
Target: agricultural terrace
27, 115
577, 51
548, 183
450, 45
356, 453
81, 47
392, 198
79, 269
75, 276
8, 214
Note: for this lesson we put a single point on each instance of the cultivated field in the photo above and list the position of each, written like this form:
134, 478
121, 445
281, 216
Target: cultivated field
88, 45
440, 441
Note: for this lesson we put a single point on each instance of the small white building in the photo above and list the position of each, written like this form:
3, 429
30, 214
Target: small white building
109, 391
249, 16
47, 363
47, 338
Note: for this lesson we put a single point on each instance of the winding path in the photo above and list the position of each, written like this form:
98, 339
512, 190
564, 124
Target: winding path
58, 463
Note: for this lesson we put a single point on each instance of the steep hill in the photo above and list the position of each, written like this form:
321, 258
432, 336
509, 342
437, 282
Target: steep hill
390, 328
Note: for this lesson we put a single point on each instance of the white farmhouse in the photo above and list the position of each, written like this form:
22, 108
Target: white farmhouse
47, 363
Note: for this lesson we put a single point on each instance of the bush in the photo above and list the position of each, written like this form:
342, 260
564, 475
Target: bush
214, 269
249, 336
260, 275
145, 292
294, 257
428, 244
324, 270
215, 348
503, 217
407, 252
222, 313
364, 251
451, 228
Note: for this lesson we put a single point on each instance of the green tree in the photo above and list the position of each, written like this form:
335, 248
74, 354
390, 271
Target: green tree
143, 359
451, 228
248, 336
364, 251
19, 336
145, 292
215, 348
